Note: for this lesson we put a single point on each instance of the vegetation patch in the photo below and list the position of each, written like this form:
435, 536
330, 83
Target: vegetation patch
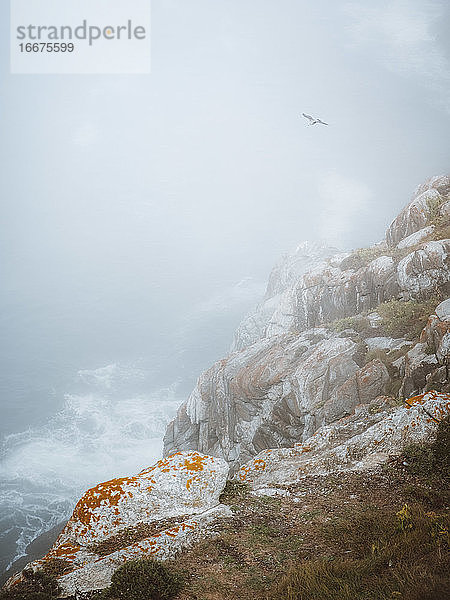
33, 586
55, 567
374, 535
131, 535
405, 319
441, 227
145, 579
430, 460
234, 491
359, 323
434, 207
361, 257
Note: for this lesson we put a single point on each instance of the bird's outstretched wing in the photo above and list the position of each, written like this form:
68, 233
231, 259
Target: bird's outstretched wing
321, 122
308, 117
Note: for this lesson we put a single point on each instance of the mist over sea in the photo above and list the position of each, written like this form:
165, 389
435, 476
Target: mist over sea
76, 417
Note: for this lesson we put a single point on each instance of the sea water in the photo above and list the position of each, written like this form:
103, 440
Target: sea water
100, 432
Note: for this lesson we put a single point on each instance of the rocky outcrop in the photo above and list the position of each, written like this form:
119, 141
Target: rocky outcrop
409, 265
177, 498
416, 214
359, 442
426, 365
437, 332
274, 394
291, 373
275, 309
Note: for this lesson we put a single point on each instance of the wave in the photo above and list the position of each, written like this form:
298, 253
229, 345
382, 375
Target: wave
96, 436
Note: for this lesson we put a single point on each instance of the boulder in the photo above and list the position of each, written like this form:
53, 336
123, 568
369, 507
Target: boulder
418, 364
425, 270
416, 238
275, 315
179, 495
437, 332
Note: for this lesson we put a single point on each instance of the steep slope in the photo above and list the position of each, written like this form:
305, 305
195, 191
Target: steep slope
313, 350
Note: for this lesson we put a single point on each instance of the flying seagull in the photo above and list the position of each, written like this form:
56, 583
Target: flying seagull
314, 120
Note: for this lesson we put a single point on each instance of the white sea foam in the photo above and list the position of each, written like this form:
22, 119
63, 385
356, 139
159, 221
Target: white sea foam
94, 437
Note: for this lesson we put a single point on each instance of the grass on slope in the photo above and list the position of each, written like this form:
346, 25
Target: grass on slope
372, 536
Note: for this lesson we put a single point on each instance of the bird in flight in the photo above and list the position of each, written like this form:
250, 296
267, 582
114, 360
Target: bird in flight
314, 120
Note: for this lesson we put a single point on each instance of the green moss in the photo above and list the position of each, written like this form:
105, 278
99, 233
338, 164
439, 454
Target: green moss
145, 579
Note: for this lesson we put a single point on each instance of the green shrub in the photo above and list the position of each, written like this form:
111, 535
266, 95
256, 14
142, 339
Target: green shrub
441, 448
145, 579
234, 491
428, 460
362, 257
33, 586
405, 319
359, 323
434, 208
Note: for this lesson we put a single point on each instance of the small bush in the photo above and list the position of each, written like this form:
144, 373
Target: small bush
430, 460
57, 567
362, 257
33, 586
234, 491
359, 323
434, 208
441, 448
405, 319
145, 579
418, 459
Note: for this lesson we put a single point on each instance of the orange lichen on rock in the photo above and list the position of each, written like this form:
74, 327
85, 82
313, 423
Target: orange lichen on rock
195, 462
421, 398
301, 448
67, 551
172, 532
257, 465
107, 493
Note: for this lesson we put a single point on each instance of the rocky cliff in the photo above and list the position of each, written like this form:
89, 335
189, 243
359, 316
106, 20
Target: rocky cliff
344, 362
331, 334
178, 503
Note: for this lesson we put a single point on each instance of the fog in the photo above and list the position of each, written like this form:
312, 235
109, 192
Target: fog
141, 214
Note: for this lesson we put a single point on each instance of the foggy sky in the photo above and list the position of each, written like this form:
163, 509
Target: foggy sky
129, 200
